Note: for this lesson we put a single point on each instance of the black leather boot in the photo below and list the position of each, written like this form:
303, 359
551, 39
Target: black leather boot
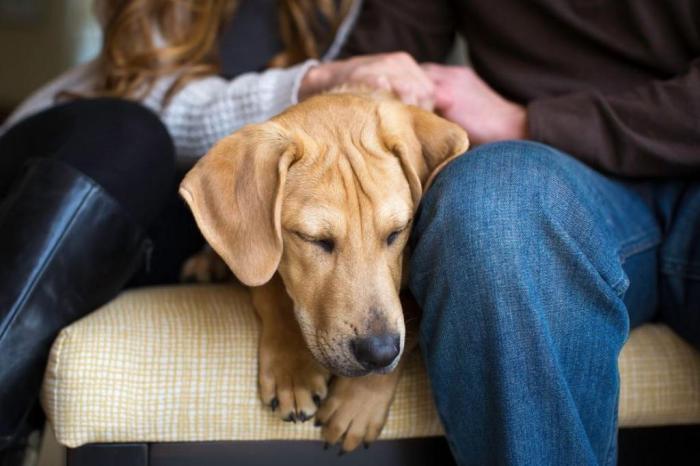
66, 247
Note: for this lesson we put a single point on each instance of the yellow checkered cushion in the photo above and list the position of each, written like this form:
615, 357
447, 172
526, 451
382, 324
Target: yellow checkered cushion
179, 364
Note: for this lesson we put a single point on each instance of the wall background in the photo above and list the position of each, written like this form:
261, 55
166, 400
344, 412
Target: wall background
39, 39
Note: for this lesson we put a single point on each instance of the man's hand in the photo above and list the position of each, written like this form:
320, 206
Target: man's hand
393, 72
464, 98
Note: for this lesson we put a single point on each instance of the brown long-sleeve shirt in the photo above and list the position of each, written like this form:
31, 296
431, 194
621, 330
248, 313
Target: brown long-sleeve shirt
615, 83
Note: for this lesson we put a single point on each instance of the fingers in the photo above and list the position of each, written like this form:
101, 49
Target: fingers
397, 73
434, 71
410, 82
406, 91
443, 78
444, 98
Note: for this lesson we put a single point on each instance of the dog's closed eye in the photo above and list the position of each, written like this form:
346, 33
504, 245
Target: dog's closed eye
327, 244
394, 235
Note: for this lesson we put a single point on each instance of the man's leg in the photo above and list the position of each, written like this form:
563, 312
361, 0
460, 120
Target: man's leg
680, 261
519, 265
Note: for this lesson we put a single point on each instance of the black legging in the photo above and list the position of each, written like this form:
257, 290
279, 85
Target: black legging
120, 144
127, 150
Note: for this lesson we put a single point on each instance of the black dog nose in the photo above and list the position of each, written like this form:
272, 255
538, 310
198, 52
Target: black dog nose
377, 351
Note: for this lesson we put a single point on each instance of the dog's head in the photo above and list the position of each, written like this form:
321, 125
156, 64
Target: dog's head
324, 194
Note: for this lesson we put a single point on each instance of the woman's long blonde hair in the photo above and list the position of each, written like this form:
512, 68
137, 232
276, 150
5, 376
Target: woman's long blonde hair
147, 39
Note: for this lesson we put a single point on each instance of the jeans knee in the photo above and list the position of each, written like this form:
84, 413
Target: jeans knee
125, 148
496, 206
498, 187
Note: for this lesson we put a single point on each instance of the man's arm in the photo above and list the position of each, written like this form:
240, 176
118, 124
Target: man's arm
649, 131
652, 130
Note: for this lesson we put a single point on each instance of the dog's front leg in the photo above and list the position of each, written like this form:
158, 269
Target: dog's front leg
357, 408
291, 382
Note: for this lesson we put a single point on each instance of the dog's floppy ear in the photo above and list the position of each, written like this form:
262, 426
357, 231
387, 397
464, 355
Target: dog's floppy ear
423, 141
235, 193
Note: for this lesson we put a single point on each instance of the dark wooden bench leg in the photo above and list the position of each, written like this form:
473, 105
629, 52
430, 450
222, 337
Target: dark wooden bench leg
105, 454
405, 452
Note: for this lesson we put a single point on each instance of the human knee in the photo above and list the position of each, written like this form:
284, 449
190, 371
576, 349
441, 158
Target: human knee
127, 128
125, 148
499, 187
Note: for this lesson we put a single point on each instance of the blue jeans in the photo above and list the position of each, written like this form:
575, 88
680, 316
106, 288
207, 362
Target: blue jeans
531, 268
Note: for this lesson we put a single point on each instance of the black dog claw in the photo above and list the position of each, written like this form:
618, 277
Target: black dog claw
274, 404
317, 400
291, 418
302, 416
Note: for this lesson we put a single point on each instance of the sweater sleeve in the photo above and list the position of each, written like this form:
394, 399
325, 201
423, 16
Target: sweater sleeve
208, 109
648, 131
201, 113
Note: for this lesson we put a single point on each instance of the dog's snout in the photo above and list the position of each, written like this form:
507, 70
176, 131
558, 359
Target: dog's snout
377, 351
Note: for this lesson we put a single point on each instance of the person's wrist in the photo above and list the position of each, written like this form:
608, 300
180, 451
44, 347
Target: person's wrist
516, 122
317, 79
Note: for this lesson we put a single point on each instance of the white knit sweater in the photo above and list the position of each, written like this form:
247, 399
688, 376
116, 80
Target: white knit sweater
205, 110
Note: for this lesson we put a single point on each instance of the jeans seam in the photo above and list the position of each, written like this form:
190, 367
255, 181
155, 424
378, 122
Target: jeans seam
680, 271
629, 248
638, 244
610, 458
680, 268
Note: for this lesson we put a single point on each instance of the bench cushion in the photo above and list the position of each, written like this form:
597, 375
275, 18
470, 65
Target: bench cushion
179, 364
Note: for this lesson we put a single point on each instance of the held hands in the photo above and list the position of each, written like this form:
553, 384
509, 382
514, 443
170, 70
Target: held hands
454, 92
393, 72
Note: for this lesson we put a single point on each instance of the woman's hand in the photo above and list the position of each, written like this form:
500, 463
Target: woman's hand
464, 98
393, 72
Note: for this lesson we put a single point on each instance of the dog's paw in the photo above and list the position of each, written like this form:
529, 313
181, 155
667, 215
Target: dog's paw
205, 267
356, 409
291, 382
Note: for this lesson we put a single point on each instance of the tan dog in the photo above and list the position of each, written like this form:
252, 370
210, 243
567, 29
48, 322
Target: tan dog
313, 210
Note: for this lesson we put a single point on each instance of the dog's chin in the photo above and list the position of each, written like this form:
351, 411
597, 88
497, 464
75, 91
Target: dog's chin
355, 370
341, 366
349, 371
391, 367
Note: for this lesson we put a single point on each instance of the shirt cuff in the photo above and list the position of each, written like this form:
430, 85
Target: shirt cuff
303, 68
